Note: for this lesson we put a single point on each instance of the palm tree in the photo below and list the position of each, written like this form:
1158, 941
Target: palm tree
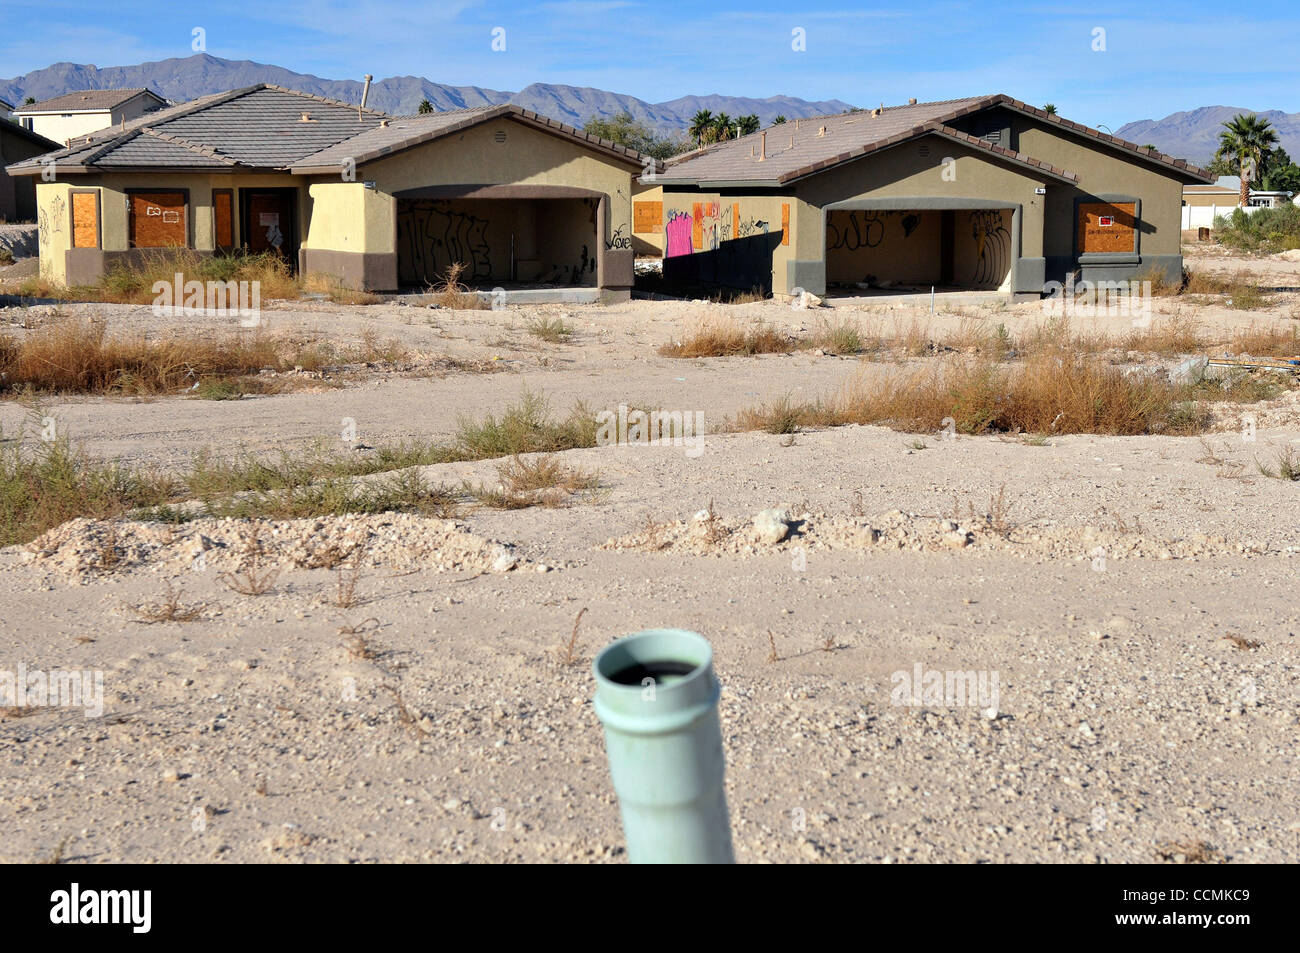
701, 123
721, 127
425, 107
749, 124
29, 101
1050, 109
1247, 138
776, 121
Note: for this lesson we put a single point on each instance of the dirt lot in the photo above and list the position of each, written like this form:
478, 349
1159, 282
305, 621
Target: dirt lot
1135, 597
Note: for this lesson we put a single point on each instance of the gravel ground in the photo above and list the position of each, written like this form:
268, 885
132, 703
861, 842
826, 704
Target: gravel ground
400, 692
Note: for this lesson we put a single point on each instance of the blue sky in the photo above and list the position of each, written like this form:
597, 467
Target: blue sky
1152, 64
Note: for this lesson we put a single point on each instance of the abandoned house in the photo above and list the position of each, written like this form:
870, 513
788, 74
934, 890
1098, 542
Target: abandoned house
980, 193
377, 202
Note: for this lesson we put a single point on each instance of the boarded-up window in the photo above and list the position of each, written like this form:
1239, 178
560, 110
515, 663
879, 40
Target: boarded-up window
1106, 227
223, 218
697, 225
158, 220
85, 219
647, 217
785, 223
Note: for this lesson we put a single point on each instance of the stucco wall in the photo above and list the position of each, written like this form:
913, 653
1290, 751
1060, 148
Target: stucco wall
736, 237
1102, 172
53, 209
527, 156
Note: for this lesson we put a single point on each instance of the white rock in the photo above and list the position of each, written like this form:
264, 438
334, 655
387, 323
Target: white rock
772, 525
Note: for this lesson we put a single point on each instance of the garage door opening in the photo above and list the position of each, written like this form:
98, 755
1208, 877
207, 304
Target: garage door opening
508, 242
900, 250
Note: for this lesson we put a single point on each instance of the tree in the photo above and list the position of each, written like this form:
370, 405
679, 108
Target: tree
626, 131
721, 127
778, 120
1050, 109
425, 107
1247, 139
749, 124
1277, 173
701, 124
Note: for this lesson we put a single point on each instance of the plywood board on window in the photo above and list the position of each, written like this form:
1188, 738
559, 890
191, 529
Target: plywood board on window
785, 223
158, 219
697, 225
85, 220
1107, 227
223, 218
647, 217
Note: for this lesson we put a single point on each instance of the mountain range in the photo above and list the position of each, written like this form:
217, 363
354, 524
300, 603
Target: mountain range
182, 79
1194, 135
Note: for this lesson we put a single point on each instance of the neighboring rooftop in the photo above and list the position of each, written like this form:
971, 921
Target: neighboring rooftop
268, 127
258, 127
88, 100
794, 153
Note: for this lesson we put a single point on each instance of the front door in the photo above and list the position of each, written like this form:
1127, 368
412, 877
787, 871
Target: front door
268, 222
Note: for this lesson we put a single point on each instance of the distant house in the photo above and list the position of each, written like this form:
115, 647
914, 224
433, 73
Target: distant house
77, 114
378, 202
18, 195
1202, 204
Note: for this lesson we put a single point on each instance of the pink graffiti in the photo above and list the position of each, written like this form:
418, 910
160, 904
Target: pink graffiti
678, 234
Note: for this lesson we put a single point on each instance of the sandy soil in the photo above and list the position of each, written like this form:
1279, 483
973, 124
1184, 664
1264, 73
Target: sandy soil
1135, 596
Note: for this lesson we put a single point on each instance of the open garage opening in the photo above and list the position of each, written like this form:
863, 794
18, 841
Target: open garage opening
509, 242
896, 251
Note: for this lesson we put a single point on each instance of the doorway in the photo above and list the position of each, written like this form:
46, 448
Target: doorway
268, 223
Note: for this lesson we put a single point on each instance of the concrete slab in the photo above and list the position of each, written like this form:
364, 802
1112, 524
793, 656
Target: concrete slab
505, 297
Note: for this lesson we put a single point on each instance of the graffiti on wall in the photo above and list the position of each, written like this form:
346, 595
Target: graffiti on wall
433, 235
678, 234
992, 246
618, 241
571, 274
706, 226
856, 229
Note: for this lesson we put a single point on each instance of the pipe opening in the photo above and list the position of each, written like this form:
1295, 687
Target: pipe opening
663, 673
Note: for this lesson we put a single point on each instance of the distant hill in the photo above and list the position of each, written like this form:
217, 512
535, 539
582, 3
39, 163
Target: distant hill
1194, 135
184, 79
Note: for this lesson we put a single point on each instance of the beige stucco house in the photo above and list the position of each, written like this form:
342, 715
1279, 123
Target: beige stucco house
980, 193
80, 113
378, 202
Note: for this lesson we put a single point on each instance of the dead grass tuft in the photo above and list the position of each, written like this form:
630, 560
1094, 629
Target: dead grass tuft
727, 337
452, 293
170, 609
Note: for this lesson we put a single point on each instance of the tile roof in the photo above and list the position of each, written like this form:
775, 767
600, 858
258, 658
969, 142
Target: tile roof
257, 127
263, 127
88, 99
404, 132
794, 154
